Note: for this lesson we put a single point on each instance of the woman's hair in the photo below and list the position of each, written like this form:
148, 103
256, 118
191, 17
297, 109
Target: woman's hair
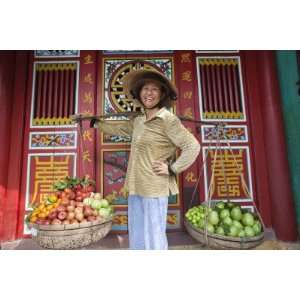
165, 100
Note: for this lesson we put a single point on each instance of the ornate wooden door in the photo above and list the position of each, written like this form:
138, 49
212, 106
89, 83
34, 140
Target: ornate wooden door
113, 151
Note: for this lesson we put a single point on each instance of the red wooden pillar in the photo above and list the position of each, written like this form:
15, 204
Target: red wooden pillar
282, 205
87, 105
15, 143
186, 105
7, 68
259, 156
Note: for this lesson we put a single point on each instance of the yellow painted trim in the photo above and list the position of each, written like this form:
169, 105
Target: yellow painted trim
218, 61
51, 121
55, 66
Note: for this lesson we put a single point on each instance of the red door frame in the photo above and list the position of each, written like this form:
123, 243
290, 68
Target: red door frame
14, 198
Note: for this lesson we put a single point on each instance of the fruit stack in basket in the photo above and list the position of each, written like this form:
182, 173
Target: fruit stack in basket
73, 202
226, 219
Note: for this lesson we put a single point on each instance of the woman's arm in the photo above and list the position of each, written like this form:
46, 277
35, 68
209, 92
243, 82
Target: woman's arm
184, 140
119, 128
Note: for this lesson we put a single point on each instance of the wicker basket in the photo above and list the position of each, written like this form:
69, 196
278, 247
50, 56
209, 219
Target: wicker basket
70, 236
216, 241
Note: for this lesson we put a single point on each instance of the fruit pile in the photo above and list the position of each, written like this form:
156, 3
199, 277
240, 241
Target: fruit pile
226, 218
72, 203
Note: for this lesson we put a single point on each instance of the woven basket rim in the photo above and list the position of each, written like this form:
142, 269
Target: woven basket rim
61, 227
223, 237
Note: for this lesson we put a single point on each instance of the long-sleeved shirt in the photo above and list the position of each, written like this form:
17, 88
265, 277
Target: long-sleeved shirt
155, 139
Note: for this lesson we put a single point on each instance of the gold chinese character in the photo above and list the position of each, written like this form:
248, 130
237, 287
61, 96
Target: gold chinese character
87, 135
88, 78
124, 192
227, 173
88, 60
172, 219
86, 156
186, 57
120, 219
87, 97
190, 177
46, 174
187, 76
187, 95
87, 113
232, 190
188, 113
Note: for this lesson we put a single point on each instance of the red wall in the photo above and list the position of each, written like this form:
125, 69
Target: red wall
7, 67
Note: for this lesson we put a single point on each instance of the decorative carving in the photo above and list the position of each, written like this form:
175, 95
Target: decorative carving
56, 53
48, 140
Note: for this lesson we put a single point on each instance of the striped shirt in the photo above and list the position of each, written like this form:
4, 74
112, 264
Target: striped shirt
155, 139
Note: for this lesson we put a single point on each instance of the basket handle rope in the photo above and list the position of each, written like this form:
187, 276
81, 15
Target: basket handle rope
201, 170
244, 185
211, 135
219, 133
210, 193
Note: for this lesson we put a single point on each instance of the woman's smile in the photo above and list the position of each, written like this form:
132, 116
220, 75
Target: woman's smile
150, 94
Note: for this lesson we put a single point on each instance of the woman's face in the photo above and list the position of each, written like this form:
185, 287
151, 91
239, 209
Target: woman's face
150, 94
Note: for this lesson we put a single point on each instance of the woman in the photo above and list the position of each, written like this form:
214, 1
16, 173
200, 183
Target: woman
151, 173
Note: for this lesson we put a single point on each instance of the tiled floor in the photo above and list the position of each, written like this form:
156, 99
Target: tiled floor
112, 242
177, 241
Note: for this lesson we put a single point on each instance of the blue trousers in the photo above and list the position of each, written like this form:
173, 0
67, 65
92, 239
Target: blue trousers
147, 220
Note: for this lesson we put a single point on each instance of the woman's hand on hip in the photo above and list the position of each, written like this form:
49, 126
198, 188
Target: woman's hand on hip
160, 168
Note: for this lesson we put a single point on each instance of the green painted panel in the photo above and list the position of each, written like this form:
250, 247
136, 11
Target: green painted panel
288, 76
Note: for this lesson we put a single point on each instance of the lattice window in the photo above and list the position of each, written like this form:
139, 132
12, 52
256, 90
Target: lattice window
54, 97
114, 72
220, 83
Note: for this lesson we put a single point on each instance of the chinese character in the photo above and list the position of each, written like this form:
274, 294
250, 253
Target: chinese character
233, 190
227, 172
46, 174
120, 220
172, 219
88, 78
88, 60
186, 57
87, 98
187, 76
190, 177
187, 95
86, 156
87, 113
87, 135
188, 113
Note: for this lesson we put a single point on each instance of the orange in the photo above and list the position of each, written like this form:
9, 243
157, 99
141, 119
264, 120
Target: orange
42, 215
41, 206
33, 219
